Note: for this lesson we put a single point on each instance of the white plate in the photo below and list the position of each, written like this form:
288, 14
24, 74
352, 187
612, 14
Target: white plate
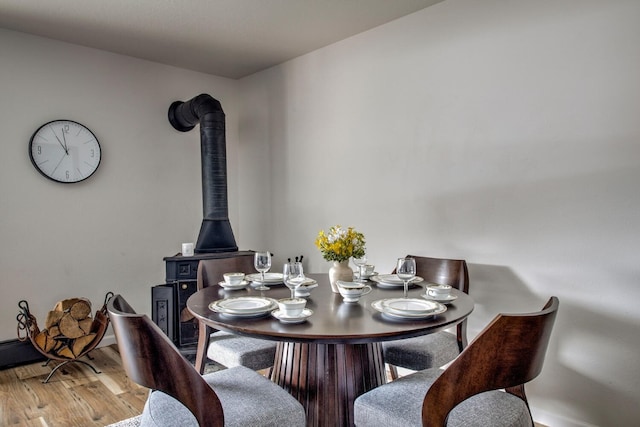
241, 285
378, 305
447, 300
287, 319
364, 276
244, 305
269, 278
409, 306
392, 280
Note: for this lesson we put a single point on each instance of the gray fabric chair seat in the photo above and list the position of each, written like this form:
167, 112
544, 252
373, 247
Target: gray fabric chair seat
399, 404
247, 398
232, 350
424, 352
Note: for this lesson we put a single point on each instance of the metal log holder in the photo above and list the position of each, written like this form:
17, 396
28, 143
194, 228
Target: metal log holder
28, 329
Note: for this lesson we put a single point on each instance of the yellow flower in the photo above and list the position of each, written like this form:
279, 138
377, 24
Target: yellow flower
340, 244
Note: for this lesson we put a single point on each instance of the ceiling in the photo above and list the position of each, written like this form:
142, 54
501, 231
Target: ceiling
229, 38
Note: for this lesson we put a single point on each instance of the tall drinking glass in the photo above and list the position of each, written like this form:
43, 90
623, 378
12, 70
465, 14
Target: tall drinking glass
360, 262
293, 276
406, 270
262, 263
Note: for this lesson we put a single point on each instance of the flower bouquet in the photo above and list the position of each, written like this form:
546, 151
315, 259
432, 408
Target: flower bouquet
338, 245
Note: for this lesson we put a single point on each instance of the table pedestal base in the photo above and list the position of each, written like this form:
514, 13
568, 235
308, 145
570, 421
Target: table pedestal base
327, 378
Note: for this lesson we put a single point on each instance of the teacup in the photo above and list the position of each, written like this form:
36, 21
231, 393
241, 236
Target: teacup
292, 307
352, 291
368, 269
233, 279
438, 291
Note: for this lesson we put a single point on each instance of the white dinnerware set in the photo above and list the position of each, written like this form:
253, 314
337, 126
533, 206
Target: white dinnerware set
293, 309
431, 303
287, 310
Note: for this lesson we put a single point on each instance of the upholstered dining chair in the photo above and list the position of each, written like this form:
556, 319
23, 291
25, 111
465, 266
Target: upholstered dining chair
180, 396
223, 347
433, 350
508, 353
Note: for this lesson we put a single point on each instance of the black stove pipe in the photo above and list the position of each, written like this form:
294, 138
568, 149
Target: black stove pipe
215, 233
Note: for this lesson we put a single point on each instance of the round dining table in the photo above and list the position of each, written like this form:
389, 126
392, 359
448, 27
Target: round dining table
335, 355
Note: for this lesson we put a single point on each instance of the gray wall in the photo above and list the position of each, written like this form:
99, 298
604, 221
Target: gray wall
502, 132
110, 232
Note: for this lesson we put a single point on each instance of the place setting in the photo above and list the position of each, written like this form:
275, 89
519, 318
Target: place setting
244, 307
364, 271
293, 309
262, 280
233, 281
439, 293
392, 281
406, 308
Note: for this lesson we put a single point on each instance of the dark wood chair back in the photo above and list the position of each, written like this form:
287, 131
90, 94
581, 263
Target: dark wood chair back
210, 271
452, 272
508, 353
151, 360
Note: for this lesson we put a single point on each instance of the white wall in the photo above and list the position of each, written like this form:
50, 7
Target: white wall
111, 232
502, 132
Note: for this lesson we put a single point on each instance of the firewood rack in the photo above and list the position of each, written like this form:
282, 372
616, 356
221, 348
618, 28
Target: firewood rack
28, 330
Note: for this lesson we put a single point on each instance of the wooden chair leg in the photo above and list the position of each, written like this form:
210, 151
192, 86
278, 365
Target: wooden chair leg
393, 371
204, 333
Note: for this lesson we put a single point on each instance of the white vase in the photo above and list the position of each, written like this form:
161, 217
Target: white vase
340, 270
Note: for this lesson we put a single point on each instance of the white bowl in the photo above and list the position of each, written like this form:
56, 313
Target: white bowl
292, 307
233, 279
438, 291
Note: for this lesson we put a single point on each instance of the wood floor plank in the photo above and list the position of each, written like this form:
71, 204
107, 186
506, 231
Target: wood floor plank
74, 396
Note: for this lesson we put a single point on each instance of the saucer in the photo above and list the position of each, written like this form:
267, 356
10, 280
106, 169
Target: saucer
286, 319
446, 300
240, 285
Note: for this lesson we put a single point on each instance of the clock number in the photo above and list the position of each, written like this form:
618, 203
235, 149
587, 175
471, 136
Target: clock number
39, 150
65, 128
66, 174
92, 153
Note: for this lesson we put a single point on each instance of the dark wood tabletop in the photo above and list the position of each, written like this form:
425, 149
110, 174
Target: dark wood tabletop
333, 321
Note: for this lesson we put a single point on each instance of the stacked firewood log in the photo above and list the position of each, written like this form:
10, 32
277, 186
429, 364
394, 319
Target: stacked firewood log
67, 329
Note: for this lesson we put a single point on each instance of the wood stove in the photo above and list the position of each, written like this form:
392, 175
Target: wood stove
169, 300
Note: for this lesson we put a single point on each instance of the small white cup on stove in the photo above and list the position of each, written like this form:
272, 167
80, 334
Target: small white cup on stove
187, 249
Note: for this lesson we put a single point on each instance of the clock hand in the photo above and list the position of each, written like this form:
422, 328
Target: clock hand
61, 144
61, 159
66, 149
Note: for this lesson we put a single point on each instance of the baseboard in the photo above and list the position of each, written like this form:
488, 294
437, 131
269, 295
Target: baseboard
16, 353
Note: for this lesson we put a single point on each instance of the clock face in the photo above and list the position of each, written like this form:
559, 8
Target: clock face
65, 151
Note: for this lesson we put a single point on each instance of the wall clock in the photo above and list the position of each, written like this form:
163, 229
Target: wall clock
65, 151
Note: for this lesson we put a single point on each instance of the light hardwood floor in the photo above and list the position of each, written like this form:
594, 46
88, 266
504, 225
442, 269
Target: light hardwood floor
74, 396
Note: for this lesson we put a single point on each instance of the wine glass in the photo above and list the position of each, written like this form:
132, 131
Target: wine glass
262, 263
293, 276
360, 262
406, 270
